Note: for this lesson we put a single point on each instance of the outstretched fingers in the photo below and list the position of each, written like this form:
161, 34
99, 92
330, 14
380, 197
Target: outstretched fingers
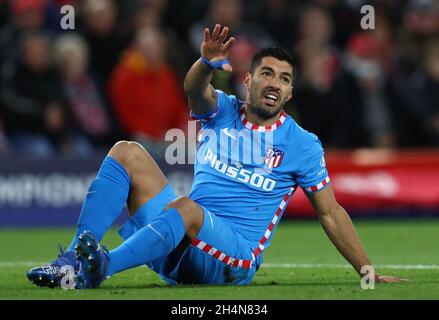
223, 35
215, 45
229, 43
216, 32
206, 35
391, 279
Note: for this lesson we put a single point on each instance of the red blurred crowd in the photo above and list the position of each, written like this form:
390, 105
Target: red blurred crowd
119, 73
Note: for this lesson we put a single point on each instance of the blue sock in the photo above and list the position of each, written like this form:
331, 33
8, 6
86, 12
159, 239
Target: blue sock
148, 212
153, 241
105, 200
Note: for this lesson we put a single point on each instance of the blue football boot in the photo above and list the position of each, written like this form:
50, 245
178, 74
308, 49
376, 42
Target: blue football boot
51, 275
93, 261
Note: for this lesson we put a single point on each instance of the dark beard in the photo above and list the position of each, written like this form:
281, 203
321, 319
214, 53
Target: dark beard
263, 113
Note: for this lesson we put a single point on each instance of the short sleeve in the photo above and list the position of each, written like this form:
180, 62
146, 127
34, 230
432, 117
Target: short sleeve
226, 108
313, 175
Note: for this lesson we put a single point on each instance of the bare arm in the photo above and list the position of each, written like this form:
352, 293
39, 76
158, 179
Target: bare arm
201, 95
341, 231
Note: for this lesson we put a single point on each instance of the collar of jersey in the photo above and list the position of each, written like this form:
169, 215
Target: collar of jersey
251, 126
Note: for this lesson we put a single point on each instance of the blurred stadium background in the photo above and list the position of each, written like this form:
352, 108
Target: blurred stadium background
67, 95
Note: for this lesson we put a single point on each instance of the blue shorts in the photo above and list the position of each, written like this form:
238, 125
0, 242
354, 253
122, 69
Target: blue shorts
219, 255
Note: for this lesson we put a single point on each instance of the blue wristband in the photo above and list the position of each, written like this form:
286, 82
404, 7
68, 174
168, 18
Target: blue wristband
215, 64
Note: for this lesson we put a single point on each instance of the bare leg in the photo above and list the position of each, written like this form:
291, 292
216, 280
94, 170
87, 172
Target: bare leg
191, 213
173, 229
147, 180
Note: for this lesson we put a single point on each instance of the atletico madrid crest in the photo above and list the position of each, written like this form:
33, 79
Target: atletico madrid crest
273, 158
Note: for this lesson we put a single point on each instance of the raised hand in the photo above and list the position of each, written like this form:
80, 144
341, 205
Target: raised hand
215, 47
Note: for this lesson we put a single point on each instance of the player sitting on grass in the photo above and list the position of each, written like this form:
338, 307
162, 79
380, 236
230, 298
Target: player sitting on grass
218, 233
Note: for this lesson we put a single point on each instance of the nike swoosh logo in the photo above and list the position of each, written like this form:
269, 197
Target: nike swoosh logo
227, 133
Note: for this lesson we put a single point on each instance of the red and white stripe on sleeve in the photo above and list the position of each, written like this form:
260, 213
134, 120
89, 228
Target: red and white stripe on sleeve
319, 186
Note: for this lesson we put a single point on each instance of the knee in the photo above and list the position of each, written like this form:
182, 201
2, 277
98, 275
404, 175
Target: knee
125, 152
191, 213
183, 205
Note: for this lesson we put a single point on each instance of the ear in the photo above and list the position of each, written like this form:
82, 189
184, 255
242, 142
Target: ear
247, 80
290, 95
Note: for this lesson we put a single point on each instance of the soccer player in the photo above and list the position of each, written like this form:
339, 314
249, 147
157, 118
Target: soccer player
218, 233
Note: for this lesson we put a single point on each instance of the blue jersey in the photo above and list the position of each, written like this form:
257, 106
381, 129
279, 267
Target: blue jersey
247, 173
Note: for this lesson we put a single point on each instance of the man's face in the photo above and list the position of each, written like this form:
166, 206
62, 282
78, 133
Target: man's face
269, 87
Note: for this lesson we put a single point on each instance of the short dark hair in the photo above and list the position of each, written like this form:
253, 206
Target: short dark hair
276, 52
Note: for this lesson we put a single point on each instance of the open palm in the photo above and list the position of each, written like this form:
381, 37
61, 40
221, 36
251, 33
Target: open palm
215, 47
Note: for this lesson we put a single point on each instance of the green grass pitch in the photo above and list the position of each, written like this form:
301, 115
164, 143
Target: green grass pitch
301, 263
